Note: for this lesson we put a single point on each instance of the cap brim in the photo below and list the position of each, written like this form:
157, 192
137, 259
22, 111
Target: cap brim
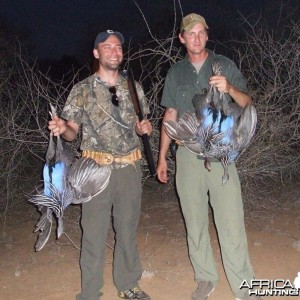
103, 36
192, 24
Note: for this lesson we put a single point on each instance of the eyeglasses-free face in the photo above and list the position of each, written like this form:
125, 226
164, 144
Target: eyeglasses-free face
114, 97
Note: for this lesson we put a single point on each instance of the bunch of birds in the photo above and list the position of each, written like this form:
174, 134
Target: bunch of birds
218, 129
66, 180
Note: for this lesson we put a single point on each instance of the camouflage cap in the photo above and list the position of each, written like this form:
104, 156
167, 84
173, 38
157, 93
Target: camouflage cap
103, 36
189, 21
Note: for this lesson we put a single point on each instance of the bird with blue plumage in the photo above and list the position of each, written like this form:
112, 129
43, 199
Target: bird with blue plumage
218, 129
66, 180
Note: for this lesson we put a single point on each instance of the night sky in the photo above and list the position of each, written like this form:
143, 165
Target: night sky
68, 27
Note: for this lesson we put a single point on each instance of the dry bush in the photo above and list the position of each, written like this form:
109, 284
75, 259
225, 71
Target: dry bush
24, 105
270, 63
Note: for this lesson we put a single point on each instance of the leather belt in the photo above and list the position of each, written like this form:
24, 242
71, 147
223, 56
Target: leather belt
105, 158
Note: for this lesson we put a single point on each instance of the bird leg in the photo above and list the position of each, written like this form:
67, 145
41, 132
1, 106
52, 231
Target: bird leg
44, 226
60, 227
224, 162
207, 164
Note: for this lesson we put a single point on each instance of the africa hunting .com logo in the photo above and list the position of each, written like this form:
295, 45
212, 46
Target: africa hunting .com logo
276, 287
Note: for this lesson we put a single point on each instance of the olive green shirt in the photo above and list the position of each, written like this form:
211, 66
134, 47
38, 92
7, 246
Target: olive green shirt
183, 82
105, 127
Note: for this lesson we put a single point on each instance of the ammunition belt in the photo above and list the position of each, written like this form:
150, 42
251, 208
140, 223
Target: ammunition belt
105, 158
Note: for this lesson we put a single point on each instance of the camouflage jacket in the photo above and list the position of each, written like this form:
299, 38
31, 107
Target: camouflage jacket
105, 127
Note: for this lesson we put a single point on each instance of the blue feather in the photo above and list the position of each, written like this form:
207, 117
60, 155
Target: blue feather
54, 175
226, 127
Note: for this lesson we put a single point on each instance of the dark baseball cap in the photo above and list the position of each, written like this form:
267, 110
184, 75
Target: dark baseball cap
103, 36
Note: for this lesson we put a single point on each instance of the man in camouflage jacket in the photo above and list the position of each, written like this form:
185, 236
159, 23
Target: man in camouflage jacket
102, 107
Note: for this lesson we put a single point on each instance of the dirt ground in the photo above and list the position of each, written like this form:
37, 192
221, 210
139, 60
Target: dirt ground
273, 229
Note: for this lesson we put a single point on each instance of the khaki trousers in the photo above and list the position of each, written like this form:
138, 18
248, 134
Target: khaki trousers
196, 186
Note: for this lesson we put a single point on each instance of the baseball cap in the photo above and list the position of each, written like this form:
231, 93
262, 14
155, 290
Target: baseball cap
103, 36
189, 21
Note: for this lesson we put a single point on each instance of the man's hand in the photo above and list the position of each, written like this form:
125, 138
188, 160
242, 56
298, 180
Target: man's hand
161, 171
57, 125
68, 130
224, 86
221, 83
143, 127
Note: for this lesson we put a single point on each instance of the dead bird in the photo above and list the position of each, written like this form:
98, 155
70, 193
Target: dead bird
67, 180
218, 129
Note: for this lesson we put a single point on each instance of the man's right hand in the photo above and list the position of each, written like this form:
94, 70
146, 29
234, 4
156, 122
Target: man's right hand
161, 171
57, 125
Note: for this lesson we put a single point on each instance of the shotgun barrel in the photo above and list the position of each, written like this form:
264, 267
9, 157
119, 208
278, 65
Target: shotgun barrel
139, 112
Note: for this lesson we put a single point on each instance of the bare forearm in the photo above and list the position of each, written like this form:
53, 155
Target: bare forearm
164, 144
165, 140
240, 97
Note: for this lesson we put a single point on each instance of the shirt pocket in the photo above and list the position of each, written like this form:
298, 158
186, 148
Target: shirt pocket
184, 96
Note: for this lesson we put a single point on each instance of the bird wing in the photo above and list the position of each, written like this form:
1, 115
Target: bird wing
43, 225
245, 126
183, 130
186, 131
233, 109
88, 179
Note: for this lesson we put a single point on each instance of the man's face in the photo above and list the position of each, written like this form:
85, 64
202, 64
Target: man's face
195, 39
109, 53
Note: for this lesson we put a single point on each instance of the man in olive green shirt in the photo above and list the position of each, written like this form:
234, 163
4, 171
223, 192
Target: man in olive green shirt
191, 76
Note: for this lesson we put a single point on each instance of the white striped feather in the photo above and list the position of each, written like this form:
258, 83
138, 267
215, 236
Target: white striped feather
87, 179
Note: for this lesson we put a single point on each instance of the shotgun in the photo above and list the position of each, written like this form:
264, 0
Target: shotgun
138, 111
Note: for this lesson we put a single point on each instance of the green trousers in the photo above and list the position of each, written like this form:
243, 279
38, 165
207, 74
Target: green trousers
122, 198
196, 186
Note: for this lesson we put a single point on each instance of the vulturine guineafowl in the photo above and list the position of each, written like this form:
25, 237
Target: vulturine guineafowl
218, 129
67, 180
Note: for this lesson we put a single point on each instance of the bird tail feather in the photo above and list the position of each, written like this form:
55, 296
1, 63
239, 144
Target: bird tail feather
43, 225
57, 201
